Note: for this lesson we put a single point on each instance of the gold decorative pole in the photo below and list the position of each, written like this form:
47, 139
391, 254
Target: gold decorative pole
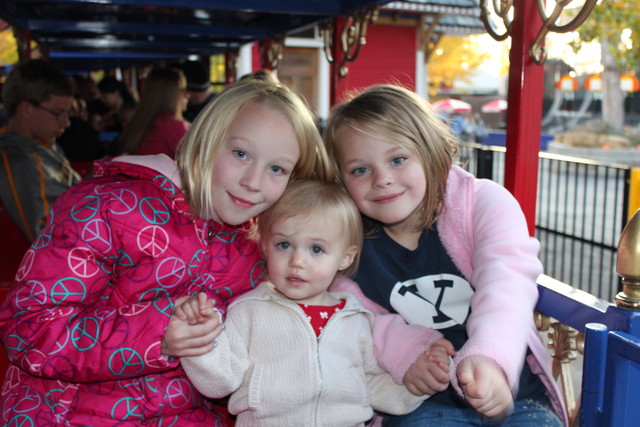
500, 15
628, 265
353, 36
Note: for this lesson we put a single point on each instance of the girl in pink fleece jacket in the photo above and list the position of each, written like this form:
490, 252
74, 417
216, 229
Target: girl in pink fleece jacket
445, 251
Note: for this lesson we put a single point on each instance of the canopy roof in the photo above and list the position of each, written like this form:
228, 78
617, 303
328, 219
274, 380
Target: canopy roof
97, 34
452, 17
118, 32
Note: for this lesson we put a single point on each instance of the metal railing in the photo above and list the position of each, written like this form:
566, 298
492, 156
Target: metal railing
582, 330
581, 211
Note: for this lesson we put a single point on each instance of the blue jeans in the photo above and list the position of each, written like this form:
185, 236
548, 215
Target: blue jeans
536, 412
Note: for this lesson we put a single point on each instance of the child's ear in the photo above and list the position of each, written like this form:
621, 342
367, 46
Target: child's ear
24, 108
349, 256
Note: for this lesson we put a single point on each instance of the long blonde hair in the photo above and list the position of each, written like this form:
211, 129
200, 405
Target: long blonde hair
199, 147
401, 116
163, 90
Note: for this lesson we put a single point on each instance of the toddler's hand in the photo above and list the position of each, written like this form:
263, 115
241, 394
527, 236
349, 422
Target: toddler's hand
196, 309
182, 339
485, 387
430, 372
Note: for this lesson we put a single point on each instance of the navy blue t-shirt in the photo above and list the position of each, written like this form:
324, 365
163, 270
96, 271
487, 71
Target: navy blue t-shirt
425, 287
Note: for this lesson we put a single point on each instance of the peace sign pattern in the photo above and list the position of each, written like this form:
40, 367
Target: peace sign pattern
94, 294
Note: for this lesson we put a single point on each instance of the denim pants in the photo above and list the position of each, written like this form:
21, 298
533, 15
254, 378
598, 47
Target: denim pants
536, 412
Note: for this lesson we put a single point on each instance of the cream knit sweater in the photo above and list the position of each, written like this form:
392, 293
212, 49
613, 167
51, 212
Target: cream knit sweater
281, 374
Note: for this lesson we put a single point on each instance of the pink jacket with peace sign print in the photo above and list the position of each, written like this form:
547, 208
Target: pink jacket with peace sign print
85, 316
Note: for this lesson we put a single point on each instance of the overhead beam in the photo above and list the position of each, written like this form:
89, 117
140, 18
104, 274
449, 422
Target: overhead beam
311, 7
95, 27
139, 45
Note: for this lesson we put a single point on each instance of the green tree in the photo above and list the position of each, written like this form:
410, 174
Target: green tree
615, 25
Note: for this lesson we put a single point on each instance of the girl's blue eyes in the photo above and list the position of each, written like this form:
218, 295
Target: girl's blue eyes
286, 245
242, 155
277, 169
363, 170
359, 171
398, 160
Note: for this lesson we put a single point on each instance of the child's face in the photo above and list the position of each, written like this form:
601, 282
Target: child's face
253, 164
386, 181
111, 100
303, 255
48, 120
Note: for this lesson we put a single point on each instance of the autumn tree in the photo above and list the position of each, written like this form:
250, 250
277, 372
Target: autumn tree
614, 24
8, 50
454, 58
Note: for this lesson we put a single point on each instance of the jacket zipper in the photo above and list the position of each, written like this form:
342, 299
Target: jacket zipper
210, 234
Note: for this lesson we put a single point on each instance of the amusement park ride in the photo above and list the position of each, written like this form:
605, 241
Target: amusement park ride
557, 119
119, 33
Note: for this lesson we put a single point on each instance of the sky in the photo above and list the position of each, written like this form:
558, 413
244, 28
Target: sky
586, 61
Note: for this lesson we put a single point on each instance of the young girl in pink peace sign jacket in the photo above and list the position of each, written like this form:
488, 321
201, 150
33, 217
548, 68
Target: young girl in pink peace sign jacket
88, 323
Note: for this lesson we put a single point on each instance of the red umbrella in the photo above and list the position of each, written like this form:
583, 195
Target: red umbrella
451, 105
495, 106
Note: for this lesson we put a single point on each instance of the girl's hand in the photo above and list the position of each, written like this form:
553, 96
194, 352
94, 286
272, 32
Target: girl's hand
430, 373
485, 387
182, 339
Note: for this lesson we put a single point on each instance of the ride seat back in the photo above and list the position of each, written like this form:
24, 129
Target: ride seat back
4, 360
13, 245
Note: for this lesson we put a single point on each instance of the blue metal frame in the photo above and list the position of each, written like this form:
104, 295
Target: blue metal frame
610, 379
611, 368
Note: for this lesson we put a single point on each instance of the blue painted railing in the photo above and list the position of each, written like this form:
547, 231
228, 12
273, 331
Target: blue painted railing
610, 393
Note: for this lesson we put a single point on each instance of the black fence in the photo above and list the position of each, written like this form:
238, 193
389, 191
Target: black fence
581, 211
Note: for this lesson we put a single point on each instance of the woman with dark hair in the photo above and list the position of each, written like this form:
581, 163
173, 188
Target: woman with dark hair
157, 124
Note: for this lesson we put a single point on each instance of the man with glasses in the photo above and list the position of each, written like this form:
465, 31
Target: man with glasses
33, 168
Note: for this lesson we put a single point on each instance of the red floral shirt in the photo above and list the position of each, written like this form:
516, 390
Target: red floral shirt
319, 315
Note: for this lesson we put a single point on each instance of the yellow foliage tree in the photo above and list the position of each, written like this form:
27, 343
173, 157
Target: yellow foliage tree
616, 26
8, 48
455, 58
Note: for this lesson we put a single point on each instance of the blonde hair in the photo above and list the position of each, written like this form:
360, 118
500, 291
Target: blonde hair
163, 90
401, 116
200, 145
312, 197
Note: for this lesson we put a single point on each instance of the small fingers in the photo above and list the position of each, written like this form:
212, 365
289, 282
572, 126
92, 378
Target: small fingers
206, 306
179, 313
186, 309
446, 345
439, 374
465, 376
496, 409
413, 389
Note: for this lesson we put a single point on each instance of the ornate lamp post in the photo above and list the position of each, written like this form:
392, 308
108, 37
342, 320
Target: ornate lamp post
503, 10
628, 265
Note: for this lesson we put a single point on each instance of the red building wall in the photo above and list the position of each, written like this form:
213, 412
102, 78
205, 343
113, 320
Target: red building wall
388, 57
